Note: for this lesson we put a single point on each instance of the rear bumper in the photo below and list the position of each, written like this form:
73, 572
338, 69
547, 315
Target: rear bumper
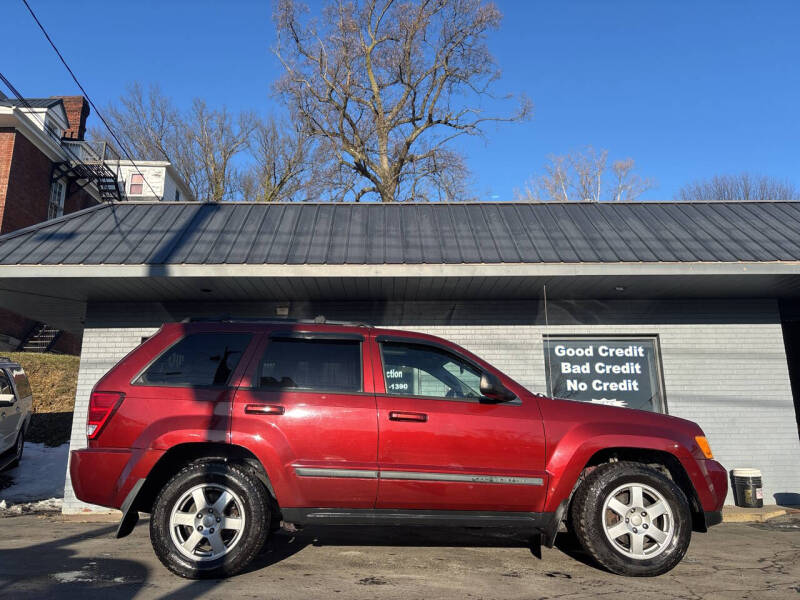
106, 476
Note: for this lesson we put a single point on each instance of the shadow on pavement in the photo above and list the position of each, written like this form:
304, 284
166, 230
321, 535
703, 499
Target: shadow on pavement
52, 569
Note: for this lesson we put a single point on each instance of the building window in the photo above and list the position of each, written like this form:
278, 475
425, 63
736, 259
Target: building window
619, 371
55, 205
177, 196
137, 185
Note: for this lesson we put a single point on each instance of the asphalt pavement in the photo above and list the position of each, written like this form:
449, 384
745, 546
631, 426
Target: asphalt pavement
53, 557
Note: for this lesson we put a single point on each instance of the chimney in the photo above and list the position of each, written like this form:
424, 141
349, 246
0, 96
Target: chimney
77, 109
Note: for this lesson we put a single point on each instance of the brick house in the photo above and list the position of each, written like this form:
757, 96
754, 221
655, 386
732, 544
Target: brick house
47, 169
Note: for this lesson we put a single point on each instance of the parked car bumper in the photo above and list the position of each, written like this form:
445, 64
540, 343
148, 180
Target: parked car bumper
717, 478
93, 470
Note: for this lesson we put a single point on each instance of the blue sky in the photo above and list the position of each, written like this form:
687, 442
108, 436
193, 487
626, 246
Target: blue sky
687, 89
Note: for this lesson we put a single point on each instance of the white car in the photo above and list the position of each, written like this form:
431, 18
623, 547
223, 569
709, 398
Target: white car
16, 406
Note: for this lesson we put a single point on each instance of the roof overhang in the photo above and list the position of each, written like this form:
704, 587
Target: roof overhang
58, 294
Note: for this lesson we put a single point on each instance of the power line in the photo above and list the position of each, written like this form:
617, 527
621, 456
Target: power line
88, 98
32, 113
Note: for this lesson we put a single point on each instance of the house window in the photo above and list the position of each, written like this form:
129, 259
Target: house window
55, 205
620, 371
137, 185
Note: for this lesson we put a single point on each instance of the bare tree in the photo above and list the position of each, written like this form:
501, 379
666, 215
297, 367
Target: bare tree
386, 86
152, 128
586, 176
743, 186
282, 163
215, 138
201, 143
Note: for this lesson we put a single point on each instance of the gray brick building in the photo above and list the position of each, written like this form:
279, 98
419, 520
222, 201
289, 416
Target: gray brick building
708, 289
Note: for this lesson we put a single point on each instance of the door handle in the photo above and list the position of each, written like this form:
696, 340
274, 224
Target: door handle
264, 409
398, 415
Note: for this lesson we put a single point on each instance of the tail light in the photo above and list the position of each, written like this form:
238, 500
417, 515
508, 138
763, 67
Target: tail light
101, 406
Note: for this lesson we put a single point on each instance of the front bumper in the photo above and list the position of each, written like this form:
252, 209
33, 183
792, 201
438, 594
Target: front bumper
717, 478
713, 517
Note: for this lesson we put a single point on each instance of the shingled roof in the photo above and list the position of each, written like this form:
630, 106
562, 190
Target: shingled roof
372, 234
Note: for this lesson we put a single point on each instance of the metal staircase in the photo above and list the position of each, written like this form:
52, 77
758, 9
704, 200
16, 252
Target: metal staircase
91, 162
41, 338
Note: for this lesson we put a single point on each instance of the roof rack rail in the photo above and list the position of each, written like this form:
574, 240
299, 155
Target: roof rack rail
318, 320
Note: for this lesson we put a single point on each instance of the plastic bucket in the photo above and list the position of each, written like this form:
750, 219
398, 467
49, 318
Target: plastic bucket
747, 491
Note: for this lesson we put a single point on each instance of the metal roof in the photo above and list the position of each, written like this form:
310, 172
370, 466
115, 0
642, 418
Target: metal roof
167, 233
32, 102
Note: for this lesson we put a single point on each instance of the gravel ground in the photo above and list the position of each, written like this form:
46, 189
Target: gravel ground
49, 557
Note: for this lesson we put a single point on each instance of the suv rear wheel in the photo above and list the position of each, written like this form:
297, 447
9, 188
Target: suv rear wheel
632, 519
210, 520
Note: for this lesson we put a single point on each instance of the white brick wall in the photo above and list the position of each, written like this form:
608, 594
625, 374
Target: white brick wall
724, 361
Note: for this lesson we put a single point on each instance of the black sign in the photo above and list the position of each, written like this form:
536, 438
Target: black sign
615, 371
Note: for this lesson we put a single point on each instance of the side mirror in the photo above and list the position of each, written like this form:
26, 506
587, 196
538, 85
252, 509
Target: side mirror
492, 389
7, 399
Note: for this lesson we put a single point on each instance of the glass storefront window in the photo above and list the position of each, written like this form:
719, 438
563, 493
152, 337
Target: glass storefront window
619, 371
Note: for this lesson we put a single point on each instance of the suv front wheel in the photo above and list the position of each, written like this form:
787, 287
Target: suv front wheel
210, 520
632, 519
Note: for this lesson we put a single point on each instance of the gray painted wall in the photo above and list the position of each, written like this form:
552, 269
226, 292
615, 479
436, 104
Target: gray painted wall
724, 362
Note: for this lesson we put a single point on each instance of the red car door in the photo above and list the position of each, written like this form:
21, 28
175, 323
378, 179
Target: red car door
306, 408
444, 447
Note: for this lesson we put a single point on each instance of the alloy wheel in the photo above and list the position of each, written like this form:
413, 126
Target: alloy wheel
638, 521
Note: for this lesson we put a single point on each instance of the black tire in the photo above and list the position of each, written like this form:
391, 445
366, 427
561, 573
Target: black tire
254, 510
19, 446
590, 521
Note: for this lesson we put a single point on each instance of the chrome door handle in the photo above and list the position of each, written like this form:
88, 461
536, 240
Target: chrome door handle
398, 415
264, 409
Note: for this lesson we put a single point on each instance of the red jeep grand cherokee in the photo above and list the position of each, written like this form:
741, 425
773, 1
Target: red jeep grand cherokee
223, 429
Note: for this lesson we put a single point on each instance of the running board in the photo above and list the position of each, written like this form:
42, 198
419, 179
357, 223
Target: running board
537, 522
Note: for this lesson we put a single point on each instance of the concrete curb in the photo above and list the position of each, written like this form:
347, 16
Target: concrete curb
737, 514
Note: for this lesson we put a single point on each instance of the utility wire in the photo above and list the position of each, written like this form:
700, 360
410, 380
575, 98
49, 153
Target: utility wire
88, 98
33, 114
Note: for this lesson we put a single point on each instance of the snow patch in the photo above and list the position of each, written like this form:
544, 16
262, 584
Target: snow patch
37, 484
72, 577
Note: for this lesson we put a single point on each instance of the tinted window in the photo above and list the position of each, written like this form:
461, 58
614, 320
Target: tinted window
325, 365
21, 381
5, 384
418, 370
200, 359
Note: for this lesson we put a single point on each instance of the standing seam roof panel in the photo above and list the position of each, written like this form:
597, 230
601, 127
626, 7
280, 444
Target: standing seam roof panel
770, 245
149, 251
72, 240
780, 224
704, 247
629, 242
504, 244
743, 246
223, 244
523, 244
658, 231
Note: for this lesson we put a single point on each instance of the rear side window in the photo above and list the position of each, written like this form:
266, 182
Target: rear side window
199, 359
323, 365
5, 384
21, 381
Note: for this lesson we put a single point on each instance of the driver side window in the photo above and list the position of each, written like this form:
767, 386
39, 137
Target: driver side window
420, 370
